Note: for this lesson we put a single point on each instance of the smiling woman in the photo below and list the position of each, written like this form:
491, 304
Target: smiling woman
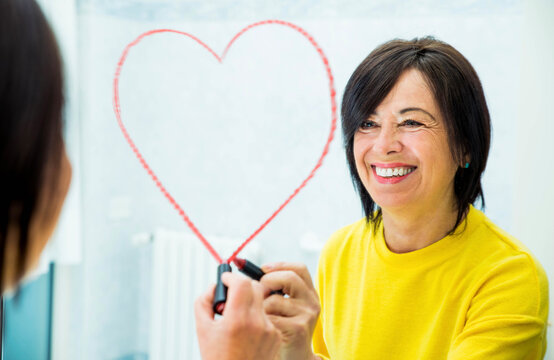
424, 275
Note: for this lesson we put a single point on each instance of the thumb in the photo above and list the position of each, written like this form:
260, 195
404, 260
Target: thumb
203, 310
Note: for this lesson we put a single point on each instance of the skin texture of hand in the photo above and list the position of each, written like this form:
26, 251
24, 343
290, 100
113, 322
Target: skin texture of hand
244, 331
296, 315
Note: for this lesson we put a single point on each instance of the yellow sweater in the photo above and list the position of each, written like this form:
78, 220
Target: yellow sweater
478, 294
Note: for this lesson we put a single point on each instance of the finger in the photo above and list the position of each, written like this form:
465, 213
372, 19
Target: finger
291, 329
298, 268
258, 294
203, 306
289, 282
240, 294
279, 322
280, 306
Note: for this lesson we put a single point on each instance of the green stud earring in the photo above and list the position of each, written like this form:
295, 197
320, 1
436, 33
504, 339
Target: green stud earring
466, 165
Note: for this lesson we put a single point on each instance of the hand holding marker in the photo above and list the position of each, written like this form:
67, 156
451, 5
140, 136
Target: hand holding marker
245, 267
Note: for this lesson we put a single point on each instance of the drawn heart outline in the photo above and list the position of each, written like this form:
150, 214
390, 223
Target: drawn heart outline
182, 213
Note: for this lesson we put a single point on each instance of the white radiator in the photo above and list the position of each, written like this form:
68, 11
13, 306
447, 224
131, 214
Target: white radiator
182, 269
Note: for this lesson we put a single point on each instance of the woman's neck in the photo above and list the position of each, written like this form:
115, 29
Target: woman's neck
407, 231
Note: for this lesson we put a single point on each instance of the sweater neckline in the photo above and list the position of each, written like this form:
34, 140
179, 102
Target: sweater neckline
432, 254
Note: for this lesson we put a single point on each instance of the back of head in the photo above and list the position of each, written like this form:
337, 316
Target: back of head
31, 142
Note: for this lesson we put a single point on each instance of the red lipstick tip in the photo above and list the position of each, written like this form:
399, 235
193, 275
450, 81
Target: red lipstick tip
220, 307
239, 263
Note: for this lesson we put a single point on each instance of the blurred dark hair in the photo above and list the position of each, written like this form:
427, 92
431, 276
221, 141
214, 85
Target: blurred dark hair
31, 139
458, 93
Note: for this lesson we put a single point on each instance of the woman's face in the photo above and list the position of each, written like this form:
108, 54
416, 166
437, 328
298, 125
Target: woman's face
401, 150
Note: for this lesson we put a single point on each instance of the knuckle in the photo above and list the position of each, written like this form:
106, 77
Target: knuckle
271, 330
316, 308
269, 300
290, 275
274, 320
243, 284
299, 328
309, 313
266, 280
271, 303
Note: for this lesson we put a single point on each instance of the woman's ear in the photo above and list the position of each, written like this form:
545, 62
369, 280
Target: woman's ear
466, 161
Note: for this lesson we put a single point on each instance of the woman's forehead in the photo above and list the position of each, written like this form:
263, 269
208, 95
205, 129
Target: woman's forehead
411, 91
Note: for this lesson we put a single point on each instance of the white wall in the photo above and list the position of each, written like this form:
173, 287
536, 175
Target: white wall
534, 193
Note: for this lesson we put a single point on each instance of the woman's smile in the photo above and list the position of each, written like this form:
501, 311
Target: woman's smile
392, 173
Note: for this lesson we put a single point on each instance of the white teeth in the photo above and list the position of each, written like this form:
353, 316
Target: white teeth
390, 172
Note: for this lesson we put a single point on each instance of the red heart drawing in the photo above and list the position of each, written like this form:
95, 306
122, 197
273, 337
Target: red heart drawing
182, 213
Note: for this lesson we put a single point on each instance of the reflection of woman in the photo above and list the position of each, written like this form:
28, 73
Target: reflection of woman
424, 275
36, 173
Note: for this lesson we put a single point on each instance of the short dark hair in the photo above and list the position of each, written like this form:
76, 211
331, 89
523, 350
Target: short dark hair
31, 129
458, 93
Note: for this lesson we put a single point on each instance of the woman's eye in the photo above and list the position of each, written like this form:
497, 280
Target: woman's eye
411, 123
367, 125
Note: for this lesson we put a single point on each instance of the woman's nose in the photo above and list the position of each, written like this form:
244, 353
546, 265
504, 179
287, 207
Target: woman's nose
387, 142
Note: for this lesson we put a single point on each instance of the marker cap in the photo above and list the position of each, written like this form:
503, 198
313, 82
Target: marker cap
220, 296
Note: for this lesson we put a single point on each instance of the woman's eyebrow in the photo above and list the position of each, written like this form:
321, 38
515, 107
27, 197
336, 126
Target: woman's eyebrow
403, 111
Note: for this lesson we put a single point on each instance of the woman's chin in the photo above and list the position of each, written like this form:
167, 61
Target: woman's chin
396, 202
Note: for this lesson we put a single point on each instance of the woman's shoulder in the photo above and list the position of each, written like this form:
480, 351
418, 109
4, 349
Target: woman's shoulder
495, 239
499, 252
